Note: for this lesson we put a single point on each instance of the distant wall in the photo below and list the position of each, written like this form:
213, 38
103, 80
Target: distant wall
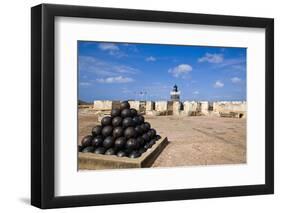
237, 107
105, 105
135, 104
187, 108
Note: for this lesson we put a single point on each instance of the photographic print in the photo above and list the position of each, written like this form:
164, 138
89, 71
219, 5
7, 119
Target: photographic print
154, 99
159, 105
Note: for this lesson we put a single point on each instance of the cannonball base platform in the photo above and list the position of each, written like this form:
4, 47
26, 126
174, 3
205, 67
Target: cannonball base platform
91, 161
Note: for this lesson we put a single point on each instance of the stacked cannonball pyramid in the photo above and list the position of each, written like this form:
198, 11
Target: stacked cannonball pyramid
124, 134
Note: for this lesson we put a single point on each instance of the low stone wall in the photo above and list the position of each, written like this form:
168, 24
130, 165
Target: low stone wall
237, 108
135, 105
204, 106
161, 106
190, 108
187, 108
176, 108
150, 106
105, 105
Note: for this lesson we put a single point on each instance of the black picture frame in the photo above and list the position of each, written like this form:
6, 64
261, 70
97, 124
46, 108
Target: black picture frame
43, 117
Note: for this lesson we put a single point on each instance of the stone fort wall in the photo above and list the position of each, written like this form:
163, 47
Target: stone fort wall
237, 109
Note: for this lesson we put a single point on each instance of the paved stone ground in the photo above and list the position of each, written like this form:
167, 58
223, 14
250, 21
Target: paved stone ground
199, 140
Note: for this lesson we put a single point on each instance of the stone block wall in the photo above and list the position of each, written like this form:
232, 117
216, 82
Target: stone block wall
150, 105
187, 108
204, 106
135, 104
161, 106
176, 108
237, 107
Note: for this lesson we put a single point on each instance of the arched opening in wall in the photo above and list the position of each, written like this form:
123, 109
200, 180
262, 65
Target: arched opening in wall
210, 106
153, 105
181, 106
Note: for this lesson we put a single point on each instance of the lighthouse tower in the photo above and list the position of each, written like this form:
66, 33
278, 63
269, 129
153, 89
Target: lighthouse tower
175, 94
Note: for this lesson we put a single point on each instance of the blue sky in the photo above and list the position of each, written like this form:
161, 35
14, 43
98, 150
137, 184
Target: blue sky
122, 71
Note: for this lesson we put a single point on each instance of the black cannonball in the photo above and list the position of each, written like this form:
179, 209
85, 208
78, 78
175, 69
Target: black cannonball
117, 121
107, 131
117, 132
115, 112
140, 141
157, 137
80, 148
121, 154
136, 120
108, 142
87, 141
110, 151
134, 112
124, 105
141, 119
153, 132
120, 142
97, 141
130, 132
139, 130
100, 150
127, 122
143, 127
149, 134
131, 144
134, 154
142, 150
147, 125
152, 142
96, 130
126, 113
146, 137
106, 121
88, 149
127, 151
146, 146
149, 145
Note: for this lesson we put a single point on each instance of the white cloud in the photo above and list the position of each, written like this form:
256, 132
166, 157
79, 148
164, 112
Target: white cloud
235, 80
218, 84
112, 49
85, 84
125, 69
180, 70
234, 63
211, 58
150, 58
117, 79
108, 46
88, 64
196, 92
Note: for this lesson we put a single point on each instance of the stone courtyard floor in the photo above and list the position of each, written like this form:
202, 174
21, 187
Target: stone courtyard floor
200, 140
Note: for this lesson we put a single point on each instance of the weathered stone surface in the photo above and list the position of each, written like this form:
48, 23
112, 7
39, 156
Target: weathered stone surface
234, 109
190, 107
161, 106
152, 113
150, 105
135, 105
176, 107
105, 104
204, 107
